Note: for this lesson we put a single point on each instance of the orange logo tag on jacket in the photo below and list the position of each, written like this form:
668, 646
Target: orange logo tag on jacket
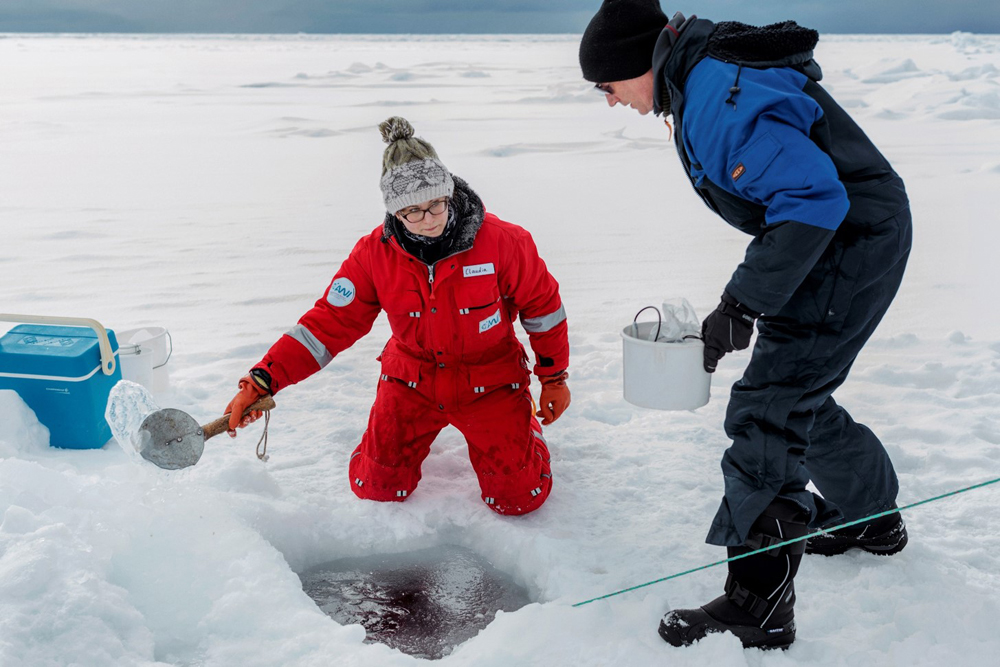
739, 171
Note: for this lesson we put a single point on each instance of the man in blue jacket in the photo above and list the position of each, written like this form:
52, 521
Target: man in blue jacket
769, 150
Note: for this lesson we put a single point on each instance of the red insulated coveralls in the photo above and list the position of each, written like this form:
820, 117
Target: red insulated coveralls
453, 358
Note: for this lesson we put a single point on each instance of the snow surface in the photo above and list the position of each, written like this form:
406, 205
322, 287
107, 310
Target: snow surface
213, 185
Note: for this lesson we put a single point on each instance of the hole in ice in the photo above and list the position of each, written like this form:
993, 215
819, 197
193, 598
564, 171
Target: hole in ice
424, 603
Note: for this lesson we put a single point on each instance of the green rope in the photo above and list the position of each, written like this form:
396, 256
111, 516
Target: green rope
787, 542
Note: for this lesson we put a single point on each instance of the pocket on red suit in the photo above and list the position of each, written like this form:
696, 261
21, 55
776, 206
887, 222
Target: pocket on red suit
402, 368
485, 377
482, 317
405, 311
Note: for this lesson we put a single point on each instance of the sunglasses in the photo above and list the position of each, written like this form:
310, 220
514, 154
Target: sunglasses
604, 88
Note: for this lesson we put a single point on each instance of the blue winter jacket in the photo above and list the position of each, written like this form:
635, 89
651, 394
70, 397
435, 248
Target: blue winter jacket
769, 150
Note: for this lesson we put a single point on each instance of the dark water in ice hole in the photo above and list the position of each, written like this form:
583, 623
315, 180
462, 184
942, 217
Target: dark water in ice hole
423, 603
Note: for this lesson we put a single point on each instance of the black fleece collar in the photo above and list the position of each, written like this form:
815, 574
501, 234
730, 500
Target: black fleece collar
776, 45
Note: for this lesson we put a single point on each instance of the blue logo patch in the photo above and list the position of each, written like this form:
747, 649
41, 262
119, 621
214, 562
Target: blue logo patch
341, 292
490, 322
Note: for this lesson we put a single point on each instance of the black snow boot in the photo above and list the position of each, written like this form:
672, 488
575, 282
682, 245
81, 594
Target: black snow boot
758, 606
883, 536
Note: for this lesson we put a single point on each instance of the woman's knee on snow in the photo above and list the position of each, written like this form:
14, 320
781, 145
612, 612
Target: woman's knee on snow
520, 492
371, 480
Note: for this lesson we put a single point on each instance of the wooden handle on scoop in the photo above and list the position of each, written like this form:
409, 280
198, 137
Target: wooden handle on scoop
221, 424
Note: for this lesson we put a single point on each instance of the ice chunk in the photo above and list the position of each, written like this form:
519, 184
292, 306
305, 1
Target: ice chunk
128, 405
424, 603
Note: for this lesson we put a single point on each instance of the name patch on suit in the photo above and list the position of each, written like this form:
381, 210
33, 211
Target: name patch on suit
341, 292
490, 321
478, 270
739, 171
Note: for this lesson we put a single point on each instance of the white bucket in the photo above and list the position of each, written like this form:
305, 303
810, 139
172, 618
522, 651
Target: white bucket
144, 354
663, 375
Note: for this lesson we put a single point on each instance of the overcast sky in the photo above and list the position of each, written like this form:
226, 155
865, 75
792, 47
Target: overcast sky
473, 16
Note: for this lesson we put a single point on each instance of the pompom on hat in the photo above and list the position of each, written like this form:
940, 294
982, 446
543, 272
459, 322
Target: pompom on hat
411, 170
619, 41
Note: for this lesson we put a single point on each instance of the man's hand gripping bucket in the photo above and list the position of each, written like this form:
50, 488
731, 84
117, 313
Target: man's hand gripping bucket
664, 372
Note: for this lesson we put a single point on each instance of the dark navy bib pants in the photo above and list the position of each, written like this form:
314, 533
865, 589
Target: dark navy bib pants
785, 425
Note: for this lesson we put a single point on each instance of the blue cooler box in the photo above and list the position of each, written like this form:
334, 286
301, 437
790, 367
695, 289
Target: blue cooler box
57, 371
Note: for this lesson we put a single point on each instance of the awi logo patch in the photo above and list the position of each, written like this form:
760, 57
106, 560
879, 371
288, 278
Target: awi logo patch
490, 322
341, 292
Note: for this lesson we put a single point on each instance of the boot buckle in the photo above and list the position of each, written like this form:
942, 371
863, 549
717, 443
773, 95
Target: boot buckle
745, 599
757, 541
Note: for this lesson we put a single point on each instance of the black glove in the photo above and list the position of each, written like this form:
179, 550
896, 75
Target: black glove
727, 328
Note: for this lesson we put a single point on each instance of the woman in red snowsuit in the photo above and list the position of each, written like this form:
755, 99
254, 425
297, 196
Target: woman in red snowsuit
452, 280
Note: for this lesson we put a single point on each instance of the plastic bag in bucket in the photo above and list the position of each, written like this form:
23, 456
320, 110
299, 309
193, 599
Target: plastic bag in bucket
665, 372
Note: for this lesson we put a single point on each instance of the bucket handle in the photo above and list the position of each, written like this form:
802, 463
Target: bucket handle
635, 325
171, 340
107, 355
659, 322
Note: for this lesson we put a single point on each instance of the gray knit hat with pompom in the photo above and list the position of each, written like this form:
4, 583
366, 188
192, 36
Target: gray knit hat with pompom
411, 170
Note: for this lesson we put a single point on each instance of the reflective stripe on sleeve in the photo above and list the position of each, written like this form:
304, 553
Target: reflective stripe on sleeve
545, 322
311, 343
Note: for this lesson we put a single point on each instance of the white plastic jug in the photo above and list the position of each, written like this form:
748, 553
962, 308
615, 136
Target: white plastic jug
660, 374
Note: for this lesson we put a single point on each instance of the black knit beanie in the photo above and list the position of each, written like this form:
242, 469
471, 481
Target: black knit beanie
618, 43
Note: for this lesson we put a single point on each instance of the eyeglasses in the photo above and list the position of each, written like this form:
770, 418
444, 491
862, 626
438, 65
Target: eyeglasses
417, 214
604, 88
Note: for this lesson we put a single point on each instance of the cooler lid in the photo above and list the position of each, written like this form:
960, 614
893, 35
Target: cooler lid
57, 351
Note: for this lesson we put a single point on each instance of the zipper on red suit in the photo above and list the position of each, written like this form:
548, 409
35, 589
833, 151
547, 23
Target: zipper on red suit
430, 267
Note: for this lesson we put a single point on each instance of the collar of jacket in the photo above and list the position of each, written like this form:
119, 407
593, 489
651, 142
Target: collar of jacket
469, 211
676, 53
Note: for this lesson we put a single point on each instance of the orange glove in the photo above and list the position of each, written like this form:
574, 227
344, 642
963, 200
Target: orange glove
555, 397
250, 392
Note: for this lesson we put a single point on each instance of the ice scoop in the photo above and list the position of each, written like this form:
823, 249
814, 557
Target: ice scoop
172, 439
